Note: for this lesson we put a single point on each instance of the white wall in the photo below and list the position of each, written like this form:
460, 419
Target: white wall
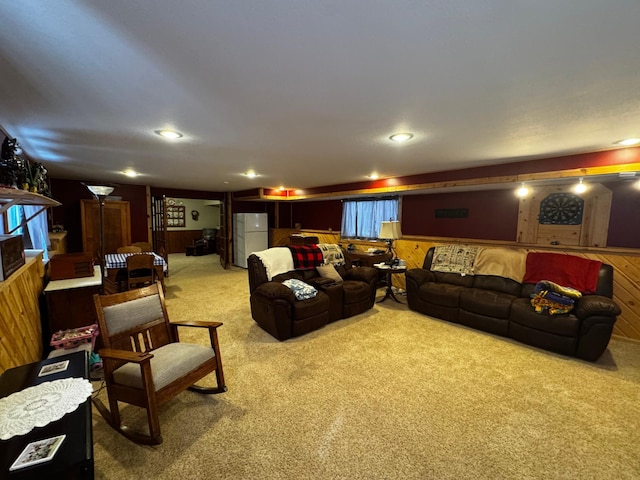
209, 214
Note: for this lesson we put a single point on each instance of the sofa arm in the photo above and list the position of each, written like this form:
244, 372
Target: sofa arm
592, 305
418, 276
363, 274
274, 291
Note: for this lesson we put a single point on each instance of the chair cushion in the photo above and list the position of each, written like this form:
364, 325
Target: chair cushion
169, 363
355, 291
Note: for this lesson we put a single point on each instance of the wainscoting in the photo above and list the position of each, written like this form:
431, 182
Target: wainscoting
178, 239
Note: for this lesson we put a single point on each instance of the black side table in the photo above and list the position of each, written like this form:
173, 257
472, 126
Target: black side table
74, 459
389, 271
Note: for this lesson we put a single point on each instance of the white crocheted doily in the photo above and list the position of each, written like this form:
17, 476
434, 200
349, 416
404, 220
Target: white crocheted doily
40, 405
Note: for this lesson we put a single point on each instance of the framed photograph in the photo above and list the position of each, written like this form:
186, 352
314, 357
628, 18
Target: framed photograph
53, 368
38, 452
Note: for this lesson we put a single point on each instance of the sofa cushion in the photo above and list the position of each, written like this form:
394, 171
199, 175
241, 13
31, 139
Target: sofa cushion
311, 307
498, 284
454, 279
355, 291
441, 294
486, 302
523, 313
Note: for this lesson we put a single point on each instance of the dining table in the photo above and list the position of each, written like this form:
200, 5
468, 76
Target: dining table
116, 262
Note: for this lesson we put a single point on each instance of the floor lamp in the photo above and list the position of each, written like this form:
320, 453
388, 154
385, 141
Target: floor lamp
390, 231
101, 192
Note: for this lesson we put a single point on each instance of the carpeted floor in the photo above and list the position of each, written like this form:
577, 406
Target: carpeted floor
388, 394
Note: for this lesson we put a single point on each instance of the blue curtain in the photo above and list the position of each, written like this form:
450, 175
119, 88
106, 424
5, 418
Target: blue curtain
35, 233
362, 218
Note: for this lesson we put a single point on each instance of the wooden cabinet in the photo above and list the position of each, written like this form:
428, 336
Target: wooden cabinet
70, 302
117, 225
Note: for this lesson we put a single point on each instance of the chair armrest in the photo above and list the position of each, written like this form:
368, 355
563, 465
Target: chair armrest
211, 326
589, 305
125, 355
363, 274
197, 324
419, 275
274, 291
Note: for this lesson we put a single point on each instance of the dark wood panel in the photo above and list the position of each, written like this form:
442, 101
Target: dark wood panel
177, 240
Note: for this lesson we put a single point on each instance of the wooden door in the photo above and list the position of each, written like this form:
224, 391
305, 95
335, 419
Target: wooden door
224, 236
159, 224
117, 225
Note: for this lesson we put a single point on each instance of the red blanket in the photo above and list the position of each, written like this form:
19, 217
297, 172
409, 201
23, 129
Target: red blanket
567, 270
306, 256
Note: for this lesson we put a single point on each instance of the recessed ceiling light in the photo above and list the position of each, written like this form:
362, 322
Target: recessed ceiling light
130, 173
251, 174
171, 134
627, 142
401, 137
373, 176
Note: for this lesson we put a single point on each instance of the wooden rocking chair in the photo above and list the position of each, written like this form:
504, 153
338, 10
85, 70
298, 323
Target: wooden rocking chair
144, 363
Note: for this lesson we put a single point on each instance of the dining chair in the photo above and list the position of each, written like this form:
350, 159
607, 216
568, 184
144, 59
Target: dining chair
144, 246
129, 249
140, 270
144, 362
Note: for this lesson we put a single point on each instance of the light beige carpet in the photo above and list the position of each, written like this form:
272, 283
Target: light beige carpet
389, 394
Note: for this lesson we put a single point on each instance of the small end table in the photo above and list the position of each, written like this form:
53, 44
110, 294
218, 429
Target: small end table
389, 271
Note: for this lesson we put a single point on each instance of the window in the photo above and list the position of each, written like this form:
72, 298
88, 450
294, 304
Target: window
362, 218
35, 232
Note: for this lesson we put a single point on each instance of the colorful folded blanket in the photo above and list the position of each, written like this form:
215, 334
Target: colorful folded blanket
301, 290
306, 257
553, 298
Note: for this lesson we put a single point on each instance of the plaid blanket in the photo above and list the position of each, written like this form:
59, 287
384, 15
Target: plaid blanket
306, 256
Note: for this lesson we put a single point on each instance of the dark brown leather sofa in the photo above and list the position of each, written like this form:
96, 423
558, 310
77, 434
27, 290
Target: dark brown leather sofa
502, 306
276, 310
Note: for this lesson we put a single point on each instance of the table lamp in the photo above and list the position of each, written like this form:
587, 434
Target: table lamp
390, 231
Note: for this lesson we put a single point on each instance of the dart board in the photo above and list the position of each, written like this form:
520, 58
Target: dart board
561, 209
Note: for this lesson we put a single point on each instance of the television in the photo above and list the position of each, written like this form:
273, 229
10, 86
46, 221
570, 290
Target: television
11, 255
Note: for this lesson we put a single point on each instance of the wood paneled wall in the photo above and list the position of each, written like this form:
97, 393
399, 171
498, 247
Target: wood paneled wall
178, 239
625, 262
20, 326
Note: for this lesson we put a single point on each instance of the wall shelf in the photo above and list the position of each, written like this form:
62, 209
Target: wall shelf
13, 196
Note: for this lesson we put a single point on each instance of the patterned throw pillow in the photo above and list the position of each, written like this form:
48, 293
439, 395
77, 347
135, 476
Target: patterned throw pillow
301, 290
454, 259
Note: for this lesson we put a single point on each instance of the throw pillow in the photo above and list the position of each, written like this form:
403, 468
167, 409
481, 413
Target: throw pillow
329, 271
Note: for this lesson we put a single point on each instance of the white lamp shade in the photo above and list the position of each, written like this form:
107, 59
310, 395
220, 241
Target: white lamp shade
100, 190
390, 230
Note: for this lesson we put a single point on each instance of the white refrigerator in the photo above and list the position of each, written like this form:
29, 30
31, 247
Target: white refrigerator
250, 234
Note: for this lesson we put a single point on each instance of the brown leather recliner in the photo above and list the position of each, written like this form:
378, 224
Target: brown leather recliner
276, 310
